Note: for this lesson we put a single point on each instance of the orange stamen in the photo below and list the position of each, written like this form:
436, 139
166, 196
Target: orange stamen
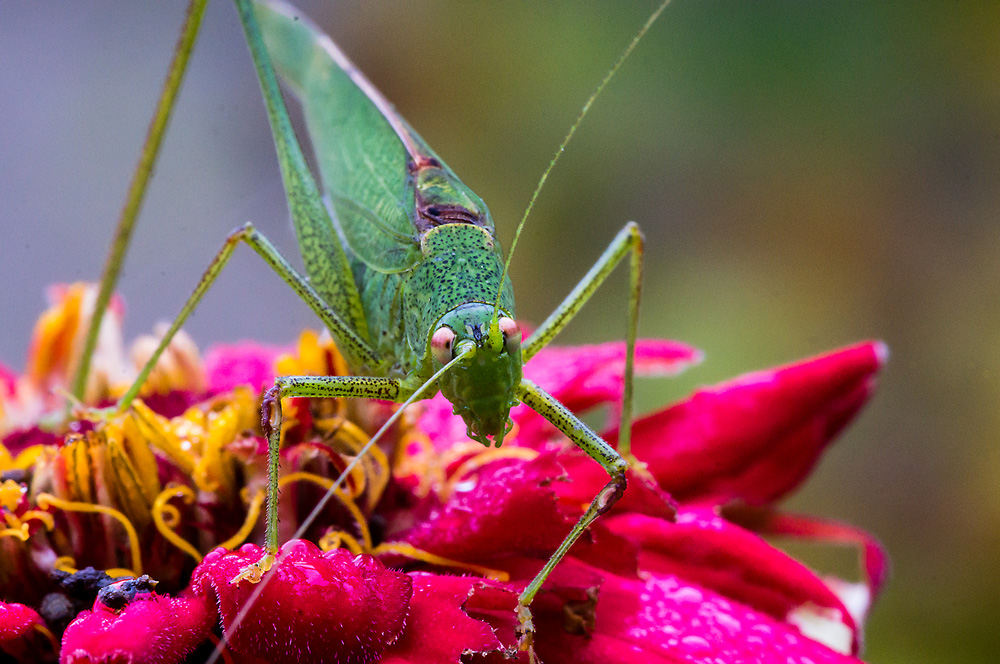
345, 500
409, 551
44, 500
253, 513
166, 517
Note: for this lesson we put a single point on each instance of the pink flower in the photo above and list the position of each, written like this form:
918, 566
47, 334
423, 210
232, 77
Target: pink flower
424, 550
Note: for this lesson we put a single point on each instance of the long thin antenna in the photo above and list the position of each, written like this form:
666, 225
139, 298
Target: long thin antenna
416, 396
569, 135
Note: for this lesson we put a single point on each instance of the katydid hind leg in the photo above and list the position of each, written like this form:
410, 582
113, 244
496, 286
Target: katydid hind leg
349, 341
629, 240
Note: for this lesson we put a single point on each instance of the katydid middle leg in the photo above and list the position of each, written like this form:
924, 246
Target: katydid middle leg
628, 241
583, 437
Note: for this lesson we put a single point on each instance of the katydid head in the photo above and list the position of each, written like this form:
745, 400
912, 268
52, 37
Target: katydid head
482, 387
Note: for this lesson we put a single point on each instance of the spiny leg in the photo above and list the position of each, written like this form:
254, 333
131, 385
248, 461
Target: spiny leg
350, 343
629, 240
583, 437
325, 387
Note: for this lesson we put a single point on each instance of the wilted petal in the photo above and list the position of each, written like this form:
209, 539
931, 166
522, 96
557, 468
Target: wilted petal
705, 549
438, 630
132, 624
757, 437
314, 606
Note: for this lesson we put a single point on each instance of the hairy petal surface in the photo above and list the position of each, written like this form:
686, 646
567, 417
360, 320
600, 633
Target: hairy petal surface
140, 627
315, 607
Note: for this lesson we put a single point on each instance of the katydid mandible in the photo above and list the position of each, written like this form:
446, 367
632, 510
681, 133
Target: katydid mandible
404, 269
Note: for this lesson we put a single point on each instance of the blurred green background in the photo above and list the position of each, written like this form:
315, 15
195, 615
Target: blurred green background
807, 175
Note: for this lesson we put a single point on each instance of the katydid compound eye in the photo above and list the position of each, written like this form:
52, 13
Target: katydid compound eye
442, 344
511, 334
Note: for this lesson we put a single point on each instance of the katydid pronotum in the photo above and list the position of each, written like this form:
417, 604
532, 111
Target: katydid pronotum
404, 269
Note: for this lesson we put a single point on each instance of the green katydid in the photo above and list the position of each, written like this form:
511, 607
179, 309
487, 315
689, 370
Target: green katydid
404, 268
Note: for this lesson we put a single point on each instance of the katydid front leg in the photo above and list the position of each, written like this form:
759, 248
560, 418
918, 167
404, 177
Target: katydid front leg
583, 437
324, 387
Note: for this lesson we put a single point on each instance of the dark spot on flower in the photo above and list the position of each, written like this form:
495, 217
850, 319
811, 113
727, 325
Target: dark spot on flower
58, 610
19, 475
579, 615
117, 595
83, 585
376, 526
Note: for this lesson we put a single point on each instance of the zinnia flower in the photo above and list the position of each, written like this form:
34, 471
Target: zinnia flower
123, 531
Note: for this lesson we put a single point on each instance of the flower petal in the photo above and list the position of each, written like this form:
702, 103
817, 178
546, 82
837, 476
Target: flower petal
131, 623
703, 548
875, 559
245, 363
22, 633
757, 437
313, 606
507, 508
439, 631
664, 618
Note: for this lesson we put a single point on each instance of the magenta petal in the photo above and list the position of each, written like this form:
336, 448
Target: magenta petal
507, 507
582, 377
663, 618
757, 437
314, 606
19, 631
439, 631
875, 560
147, 629
245, 363
703, 548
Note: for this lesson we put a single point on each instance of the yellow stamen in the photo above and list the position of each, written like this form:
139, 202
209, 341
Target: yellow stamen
156, 429
166, 517
44, 631
10, 494
404, 549
38, 515
65, 564
6, 460
29, 456
46, 499
20, 533
119, 572
253, 513
483, 458
335, 538
345, 500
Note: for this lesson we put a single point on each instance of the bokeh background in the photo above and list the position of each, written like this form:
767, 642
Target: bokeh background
807, 175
